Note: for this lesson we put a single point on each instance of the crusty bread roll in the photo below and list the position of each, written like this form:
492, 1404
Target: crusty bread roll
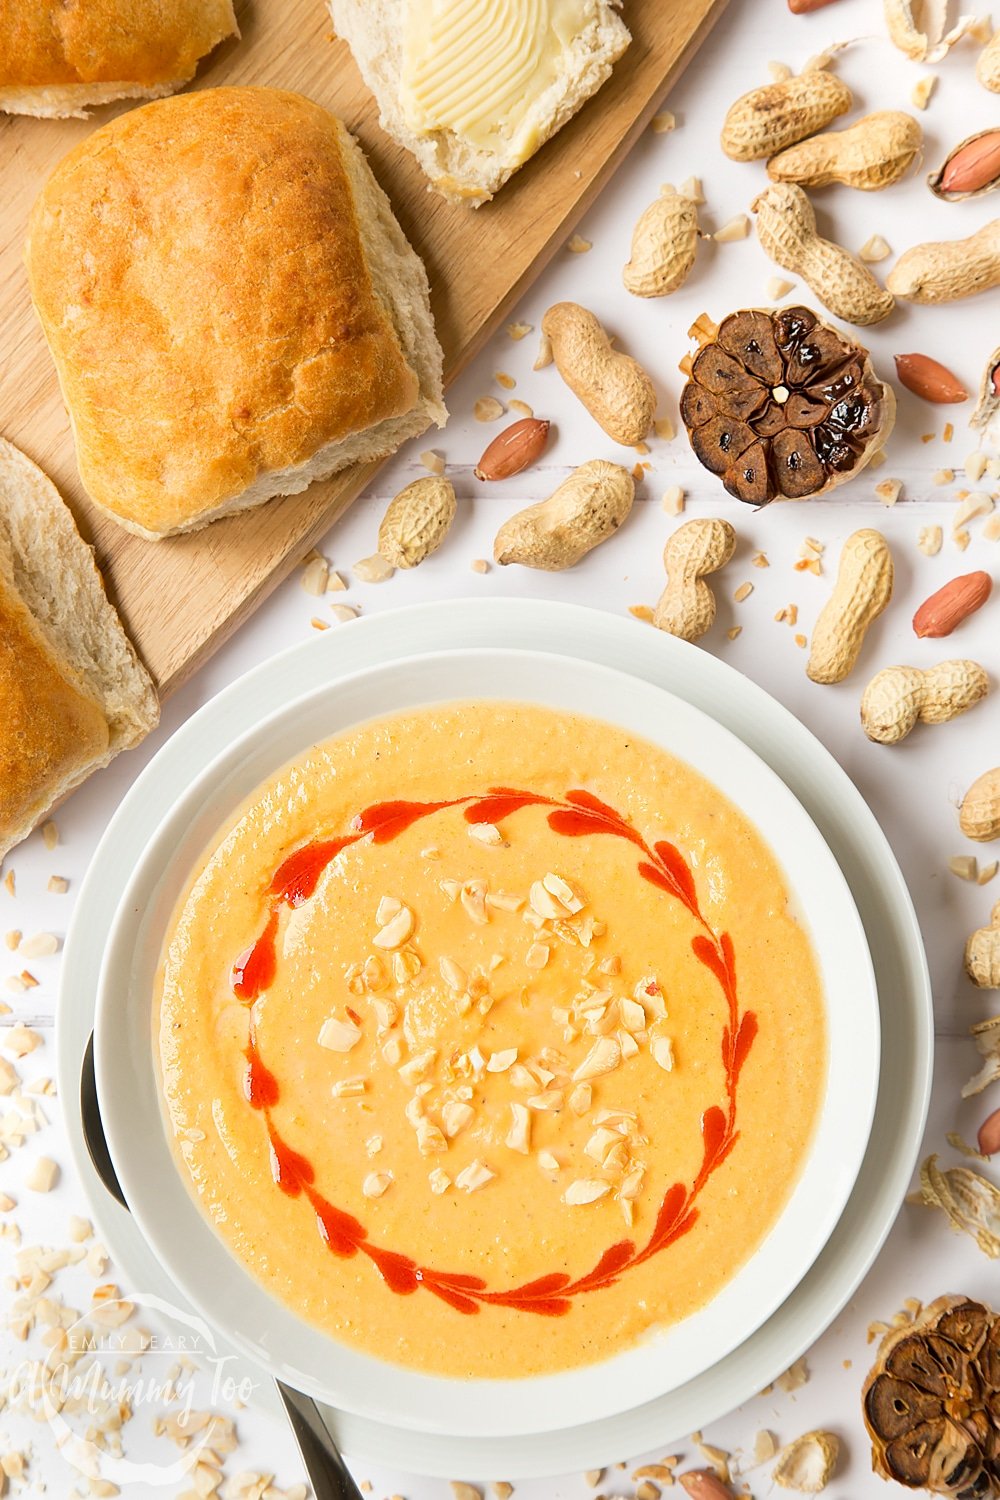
463, 169
72, 689
57, 57
231, 306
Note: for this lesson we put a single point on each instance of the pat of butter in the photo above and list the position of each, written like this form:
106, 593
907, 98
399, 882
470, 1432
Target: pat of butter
478, 67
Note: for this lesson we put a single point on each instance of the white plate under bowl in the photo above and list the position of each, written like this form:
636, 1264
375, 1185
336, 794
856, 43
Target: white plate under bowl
198, 1260
849, 828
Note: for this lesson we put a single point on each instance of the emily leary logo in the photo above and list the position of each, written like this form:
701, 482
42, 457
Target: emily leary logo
101, 1379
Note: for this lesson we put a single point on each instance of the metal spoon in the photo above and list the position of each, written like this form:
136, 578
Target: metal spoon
327, 1472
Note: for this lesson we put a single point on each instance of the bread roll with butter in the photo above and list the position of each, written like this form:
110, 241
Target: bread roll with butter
231, 306
59, 57
73, 691
474, 87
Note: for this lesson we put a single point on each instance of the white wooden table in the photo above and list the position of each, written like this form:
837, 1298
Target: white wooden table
912, 788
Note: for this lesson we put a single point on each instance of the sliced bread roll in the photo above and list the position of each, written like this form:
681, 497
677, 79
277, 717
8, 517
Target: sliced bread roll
474, 87
60, 57
72, 690
232, 308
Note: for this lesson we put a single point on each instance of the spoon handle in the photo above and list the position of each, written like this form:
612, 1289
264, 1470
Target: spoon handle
328, 1474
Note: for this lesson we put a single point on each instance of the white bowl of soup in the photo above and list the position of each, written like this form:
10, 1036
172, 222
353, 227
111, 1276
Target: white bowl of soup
487, 1043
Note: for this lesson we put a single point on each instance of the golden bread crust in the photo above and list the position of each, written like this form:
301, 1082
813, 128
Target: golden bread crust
199, 274
53, 728
46, 42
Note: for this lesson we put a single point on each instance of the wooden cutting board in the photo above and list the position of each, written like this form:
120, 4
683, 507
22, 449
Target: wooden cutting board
181, 597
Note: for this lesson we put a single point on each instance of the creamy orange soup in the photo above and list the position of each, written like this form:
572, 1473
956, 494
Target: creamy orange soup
489, 1039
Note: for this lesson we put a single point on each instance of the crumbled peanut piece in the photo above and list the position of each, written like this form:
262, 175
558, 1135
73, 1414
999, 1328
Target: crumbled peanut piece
518, 1137
691, 188
874, 249
800, 641
373, 569
315, 576
376, 1183
961, 539
943, 476
922, 90
473, 899
500, 1062
507, 382
577, 245
889, 491
987, 872
19, 1040
662, 1052
673, 500
43, 1175
485, 833
521, 408
603, 1057
947, 432
733, 632
979, 503
432, 462
339, 1036
641, 612
518, 331
8, 883
664, 428
349, 1088
475, 1176
396, 930
777, 288
335, 583
343, 612
58, 885
487, 409
975, 466
544, 356
743, 592
479, 565
12, 939
737, 228
40, 945
965, 866
585, 1190
318, 624
663, 122
50, 833
439, 1181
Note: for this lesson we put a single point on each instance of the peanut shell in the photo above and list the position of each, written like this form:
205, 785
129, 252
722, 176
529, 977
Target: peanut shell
417, 522
663, 246
584, 511
768, 119
944, 271
786, 228
613, 387
870, 155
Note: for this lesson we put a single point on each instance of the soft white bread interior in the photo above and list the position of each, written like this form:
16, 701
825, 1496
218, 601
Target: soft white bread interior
60, 60
458, 168
73, 690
